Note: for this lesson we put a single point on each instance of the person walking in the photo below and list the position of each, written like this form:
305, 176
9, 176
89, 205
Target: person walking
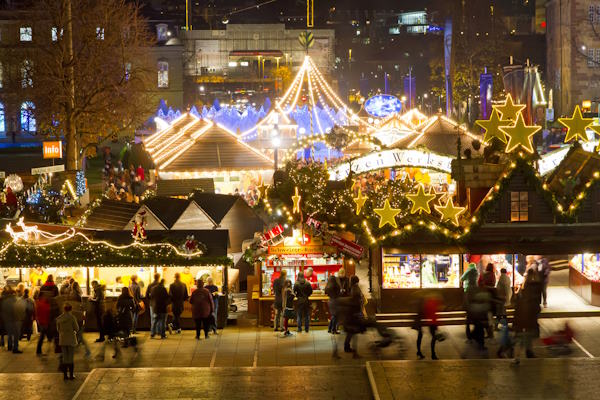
27, 329
351, 307
214, 291
303, 290
49, 287
79, 313
278, 286
151, 287
469, 281
126, 306
343, 282
179, 294
504, 294
288, 306
544, 269
202, 307
20, 312
9, 300
67, 327
333, 290
427, 311
97, 301
527, 309
160, 301
42, 314
136, 293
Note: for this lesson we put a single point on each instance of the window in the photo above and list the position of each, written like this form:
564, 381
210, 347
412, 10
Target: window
438, 271
1, 76
56, 34
2, 124
25, 34
127, 70
27, 117
27, 74
597, 58
162, 32
590, 58
163, 74
100, 33
519, 206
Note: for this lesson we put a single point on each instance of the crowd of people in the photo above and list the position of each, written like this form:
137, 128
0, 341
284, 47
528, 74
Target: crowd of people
124, 184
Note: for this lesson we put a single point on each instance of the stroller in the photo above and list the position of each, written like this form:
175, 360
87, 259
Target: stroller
118, 329
559, 342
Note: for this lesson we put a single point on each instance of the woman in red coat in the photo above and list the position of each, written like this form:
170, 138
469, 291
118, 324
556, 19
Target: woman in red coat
202, 308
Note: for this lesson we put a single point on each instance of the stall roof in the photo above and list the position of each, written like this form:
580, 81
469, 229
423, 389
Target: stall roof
167, 209
111, 215
183, 187
575, 170
215, 205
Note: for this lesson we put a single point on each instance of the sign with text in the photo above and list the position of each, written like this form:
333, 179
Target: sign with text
48, 170
390, 159
300, 250
52, 149
346, 246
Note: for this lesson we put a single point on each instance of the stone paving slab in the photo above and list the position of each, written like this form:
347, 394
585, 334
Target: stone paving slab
557, 378
38, 386
314, 383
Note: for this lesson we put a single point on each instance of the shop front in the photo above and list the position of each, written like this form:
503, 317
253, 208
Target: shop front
584, 276
295, 254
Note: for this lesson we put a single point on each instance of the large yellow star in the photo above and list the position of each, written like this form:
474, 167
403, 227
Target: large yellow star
492, 126
520, 134
296, 199
262, 190
421, 200
450, 212
509, 110
576, 126
387, 214
360, 201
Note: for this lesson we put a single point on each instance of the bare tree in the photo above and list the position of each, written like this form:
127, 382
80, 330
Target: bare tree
91, 71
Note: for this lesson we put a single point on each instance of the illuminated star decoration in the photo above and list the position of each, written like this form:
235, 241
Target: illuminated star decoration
509, 110
360, 201
449, 212
387, 214
262, 190
421, 200
520, 134
296, 199
576, 126
492, 127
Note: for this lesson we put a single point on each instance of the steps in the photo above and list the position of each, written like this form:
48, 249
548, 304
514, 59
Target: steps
111, 215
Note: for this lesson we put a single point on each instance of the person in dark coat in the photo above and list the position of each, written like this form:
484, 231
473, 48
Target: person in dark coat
13, 330
544, 269
97, 301
27, 329
160, 301
214, 291
303, 290
42, 314
136, 293
350, 309
125, 310
179, 294
527, 310
202, 308
67, 328
344, 282
153, 323
278, 285
333, 290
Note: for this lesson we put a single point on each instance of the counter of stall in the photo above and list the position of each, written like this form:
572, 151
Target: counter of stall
115, 278
584, 276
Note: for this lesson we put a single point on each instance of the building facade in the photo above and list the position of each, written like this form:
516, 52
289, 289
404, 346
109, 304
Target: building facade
573, 53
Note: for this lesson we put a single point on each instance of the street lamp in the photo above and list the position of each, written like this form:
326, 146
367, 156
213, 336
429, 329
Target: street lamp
276, 142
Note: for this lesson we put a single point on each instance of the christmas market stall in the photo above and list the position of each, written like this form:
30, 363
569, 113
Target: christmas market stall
29, 253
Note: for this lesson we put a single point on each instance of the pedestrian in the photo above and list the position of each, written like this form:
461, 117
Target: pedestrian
351, 307
151, 287
140, 173
311, 277
179, 294
527, 309
427, 310
20, 312
214, 291
488, 278
97, 301
42, 314
344, 282
67, 328
79, 313
13, 329
27, 329
303, 290
136, 293
278, 286
332, 290
49, 287
75, 293
160, 301
469, 281
202, 307
288, 306
504, 293
478, 314
126, 306
544, 269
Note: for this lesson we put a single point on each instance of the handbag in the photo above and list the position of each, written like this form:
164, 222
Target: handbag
141, 308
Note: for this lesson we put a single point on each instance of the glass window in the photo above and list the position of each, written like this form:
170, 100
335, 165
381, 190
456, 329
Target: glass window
56, 34
163, 74
2, 123
100, 33
519, 206
25, 34
26, 74
27, 117
322, 269
127, 70
189, 275
1, 76
591, 13
401, 271
590, 58
162, 32
439, 271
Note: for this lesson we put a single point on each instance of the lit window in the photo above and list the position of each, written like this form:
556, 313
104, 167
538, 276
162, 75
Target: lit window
100, 33
56, 34
127, 70
591, 13
27, 74
1, 76
519, 206
244, 63
27, 117
162, 32
163, 74
232, 64
26, 34
2, 124
590, 58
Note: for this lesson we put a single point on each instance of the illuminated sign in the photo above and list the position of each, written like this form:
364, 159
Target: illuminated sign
52, 149
300, 250
382, 105
391, 159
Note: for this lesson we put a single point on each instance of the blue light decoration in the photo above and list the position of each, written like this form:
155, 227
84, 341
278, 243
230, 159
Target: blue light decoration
434, 29
80, 183
382, 105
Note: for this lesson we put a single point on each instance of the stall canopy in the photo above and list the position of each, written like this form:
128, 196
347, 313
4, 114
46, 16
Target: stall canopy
183, 187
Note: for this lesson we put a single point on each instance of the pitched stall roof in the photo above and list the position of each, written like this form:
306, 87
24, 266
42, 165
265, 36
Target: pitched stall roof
572, 174
438, 134
167, 209
183, 187
111, 215
215, 205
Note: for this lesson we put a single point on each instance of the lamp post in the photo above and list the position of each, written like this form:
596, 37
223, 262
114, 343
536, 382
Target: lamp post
276, 142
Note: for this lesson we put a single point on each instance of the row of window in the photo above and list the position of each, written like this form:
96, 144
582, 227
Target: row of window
594, 13
26, 33
27, 118
593, 57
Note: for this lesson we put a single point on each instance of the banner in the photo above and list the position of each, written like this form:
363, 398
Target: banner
485, 94
346, 246
410, 91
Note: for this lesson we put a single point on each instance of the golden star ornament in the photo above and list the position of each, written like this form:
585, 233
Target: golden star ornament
262, 190
576, 126
359, 201
421, 200
387, 214
492, 127
520, 135
509, 110
449, 212
296, 199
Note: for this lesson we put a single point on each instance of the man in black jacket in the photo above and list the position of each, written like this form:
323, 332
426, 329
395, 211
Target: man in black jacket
179, 293
303, 290
136, 292
151, 287
278, 285
97, 301
160, 300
